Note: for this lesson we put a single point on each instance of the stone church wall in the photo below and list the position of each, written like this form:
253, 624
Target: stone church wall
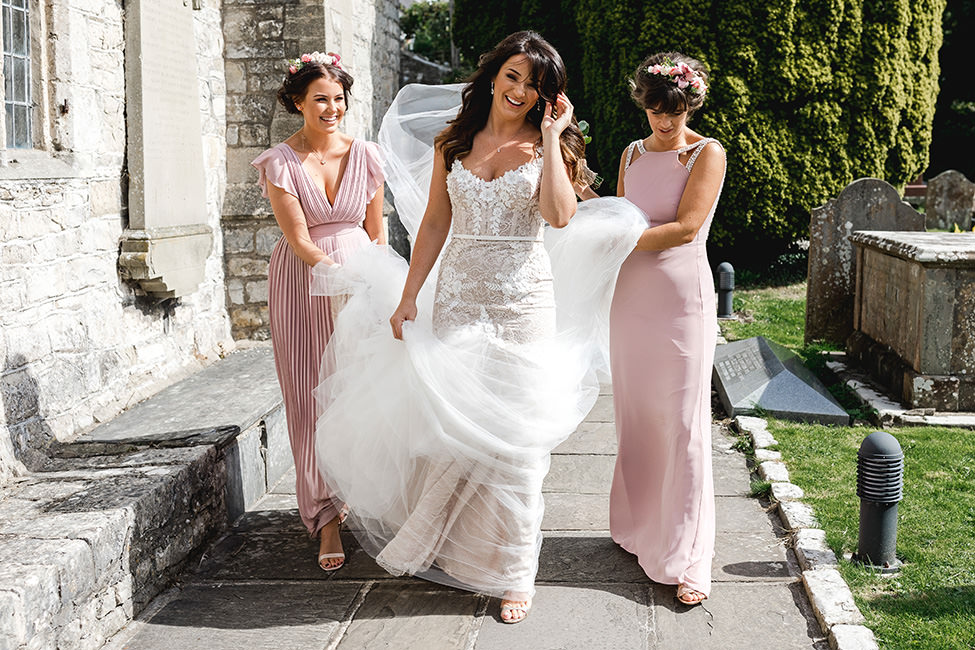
78, 342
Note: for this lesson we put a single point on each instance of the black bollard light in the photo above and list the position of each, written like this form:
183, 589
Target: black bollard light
880, 486
726, 290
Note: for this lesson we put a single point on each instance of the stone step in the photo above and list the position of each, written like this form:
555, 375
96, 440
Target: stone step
113, 517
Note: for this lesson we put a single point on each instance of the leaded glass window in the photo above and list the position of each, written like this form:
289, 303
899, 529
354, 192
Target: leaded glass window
16, 72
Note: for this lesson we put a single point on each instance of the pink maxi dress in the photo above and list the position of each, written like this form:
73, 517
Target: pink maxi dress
662, 338
301, 324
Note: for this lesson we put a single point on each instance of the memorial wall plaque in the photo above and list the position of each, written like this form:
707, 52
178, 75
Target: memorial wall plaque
168, 240
757, 375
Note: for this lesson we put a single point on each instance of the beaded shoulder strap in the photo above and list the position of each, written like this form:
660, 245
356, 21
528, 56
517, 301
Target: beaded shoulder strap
697, 151
629, 152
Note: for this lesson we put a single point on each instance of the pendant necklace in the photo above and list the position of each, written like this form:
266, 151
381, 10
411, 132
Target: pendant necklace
304, 141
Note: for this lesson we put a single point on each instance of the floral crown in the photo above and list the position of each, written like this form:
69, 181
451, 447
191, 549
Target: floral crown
681, 74
330, 58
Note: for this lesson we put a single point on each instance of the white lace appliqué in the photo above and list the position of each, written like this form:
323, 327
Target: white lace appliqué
504, 286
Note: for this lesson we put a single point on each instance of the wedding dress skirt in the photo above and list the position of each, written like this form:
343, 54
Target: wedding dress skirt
439, 443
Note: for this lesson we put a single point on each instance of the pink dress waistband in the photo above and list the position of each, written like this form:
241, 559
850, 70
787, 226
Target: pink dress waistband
331, 228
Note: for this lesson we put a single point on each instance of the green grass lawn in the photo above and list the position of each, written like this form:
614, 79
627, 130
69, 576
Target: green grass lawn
931, 602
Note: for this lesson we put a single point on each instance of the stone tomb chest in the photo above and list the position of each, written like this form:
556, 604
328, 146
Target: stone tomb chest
914, 315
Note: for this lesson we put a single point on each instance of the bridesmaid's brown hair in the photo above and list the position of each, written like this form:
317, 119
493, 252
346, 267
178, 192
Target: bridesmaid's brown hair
548, 74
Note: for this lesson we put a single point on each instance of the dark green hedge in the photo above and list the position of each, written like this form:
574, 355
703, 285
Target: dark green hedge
806, 95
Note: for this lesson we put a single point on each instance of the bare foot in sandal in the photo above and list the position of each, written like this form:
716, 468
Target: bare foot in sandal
330, 552
514, 611
689, 596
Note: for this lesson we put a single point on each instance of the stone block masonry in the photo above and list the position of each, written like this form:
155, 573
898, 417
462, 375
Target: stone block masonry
77, 342
109, 520
259, 37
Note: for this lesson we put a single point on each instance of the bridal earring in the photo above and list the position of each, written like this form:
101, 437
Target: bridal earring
492, 87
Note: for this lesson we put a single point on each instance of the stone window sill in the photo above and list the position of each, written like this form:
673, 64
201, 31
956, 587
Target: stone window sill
27, 164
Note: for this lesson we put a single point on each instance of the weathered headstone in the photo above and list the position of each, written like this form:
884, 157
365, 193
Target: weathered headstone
864, 204
168, 241
914, 316
757, 375
950, 201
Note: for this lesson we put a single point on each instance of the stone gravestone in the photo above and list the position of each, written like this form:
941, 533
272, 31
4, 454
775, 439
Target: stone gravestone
864, 204
950, 201
756, 375
168, 241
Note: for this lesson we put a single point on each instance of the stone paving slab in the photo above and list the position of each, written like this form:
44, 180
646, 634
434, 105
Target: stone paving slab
248, 556
730, 476
602, 410
590, 438
750, 557
577, 559
580, 474
255, 616
576, 512
413, 615
740, 515
562, 616
735, 617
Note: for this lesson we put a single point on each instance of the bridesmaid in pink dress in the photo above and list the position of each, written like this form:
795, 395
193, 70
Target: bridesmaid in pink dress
324, 190
662, 336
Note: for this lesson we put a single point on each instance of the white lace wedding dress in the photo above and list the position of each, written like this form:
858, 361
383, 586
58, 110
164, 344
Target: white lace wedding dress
439, 443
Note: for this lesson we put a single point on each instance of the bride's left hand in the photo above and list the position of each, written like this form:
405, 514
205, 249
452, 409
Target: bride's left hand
553, 126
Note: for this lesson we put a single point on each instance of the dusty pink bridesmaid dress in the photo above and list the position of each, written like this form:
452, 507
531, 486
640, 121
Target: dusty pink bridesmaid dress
301, 323
662, 338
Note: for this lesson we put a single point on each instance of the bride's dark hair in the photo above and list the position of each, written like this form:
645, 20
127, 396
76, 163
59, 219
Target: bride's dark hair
548, 74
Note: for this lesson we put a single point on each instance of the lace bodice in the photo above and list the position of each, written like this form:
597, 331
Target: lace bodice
495, 272
506, 206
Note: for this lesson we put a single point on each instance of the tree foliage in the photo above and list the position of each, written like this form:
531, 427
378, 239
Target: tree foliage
805, 95
428, 25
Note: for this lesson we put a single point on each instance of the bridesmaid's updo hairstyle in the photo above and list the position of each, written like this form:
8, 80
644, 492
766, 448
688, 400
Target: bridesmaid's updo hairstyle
660, 92
549, 77
295, 85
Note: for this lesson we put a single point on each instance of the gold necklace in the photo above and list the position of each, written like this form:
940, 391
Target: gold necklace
304, 142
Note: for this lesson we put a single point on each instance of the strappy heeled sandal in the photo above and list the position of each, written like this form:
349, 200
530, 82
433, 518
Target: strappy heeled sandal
515, 606
688, 596
331, 556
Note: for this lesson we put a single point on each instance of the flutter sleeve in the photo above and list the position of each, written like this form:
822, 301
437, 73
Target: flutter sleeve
272, 165
374, 169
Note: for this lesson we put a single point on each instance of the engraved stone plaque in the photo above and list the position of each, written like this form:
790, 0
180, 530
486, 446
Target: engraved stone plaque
757, 375
169, 240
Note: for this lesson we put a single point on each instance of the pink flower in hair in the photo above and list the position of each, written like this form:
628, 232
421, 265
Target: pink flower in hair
305, 58
292, 69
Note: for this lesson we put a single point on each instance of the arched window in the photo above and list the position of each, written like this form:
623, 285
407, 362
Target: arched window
17, 74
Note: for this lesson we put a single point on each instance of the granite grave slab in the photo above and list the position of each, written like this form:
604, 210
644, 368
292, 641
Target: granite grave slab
758, 375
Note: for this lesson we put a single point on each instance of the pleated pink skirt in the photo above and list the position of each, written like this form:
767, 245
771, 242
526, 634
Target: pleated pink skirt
662, 338
300, 328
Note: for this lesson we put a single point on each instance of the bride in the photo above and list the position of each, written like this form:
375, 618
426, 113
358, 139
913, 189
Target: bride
439, 440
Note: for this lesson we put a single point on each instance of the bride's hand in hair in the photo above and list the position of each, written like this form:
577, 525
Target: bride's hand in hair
554, 122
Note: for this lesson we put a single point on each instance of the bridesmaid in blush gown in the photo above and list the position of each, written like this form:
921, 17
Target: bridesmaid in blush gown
324, 190
662, 336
